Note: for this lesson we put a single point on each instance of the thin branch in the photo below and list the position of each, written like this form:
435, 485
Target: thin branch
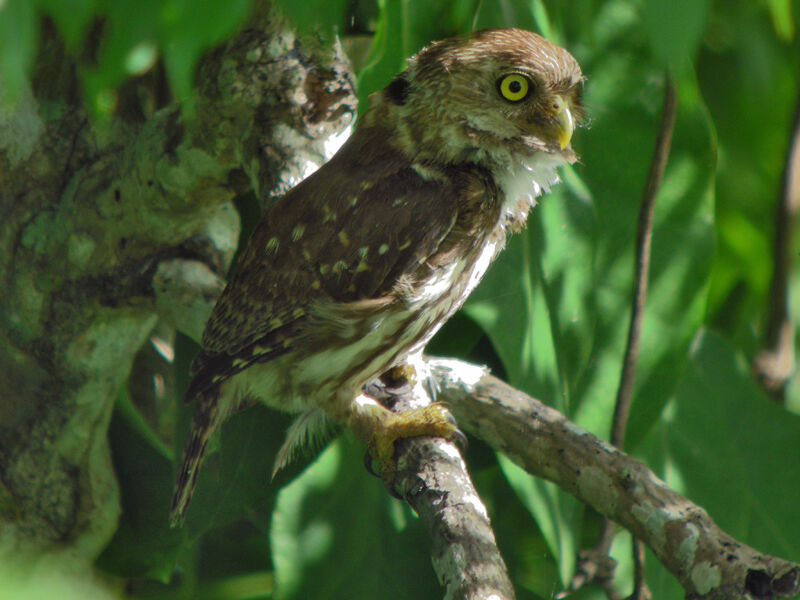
640, 590
644, 234
775, 364
589, 565
708, 562
642, 268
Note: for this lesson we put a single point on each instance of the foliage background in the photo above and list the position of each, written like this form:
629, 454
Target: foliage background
551, 316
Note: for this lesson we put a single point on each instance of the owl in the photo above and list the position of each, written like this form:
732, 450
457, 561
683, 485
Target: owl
352, 272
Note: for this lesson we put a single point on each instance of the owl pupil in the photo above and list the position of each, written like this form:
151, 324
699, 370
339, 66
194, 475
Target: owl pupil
514, 87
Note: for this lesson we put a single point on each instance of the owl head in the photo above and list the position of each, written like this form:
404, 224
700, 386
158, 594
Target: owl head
486, 97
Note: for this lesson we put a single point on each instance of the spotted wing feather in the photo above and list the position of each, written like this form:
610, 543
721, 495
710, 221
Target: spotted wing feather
338, 237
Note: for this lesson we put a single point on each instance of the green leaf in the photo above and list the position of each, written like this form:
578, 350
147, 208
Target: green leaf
72, 17
144, 545
324, 16
235, 481
18, 33
128, 24
405, 27
505, 13
187, 31
48, 578
336, 533
542, 281
781, 13
674, 29
730, 449
557, 513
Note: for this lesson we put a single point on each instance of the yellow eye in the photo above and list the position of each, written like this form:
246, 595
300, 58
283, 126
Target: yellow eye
514, 87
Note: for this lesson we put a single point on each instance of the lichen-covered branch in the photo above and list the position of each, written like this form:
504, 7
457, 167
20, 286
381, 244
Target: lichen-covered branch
433, 479
709, 563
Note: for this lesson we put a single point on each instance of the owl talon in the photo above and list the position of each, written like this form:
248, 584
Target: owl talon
433, 420
459, 439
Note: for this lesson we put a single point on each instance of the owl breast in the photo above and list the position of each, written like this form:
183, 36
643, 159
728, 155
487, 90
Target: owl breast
369, 345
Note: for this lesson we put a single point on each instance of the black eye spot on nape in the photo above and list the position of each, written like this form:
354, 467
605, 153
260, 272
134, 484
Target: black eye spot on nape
397, 91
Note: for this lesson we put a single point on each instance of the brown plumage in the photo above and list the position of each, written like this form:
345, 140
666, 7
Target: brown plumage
354, 270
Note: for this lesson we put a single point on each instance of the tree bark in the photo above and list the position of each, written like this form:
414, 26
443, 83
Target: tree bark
708, 562
108, 227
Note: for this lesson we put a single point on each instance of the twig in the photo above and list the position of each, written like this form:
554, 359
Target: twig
708, 563
775, 363
640, 590
643, 237
587, 569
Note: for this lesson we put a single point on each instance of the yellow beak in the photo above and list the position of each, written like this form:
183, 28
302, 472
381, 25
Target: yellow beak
565, 123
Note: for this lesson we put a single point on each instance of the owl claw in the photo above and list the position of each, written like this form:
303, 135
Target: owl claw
433, 420
459, 439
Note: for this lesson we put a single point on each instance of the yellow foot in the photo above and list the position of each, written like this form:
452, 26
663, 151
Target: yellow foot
432, 420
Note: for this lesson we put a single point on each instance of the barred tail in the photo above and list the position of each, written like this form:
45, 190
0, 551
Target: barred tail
207, 417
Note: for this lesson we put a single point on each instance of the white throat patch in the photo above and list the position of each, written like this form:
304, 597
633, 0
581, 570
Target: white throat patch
526, 177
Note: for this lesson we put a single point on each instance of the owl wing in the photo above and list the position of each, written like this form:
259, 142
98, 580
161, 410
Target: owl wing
348, 234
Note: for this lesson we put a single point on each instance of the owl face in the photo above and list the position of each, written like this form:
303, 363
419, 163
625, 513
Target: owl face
488, 94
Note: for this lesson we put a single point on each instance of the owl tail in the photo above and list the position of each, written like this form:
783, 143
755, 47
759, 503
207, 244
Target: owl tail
206, 419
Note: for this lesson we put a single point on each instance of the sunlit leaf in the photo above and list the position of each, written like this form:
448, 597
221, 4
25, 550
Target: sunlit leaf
730, 449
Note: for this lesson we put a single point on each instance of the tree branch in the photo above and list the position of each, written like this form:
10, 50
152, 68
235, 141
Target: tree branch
433, 479
644, 234
709, 563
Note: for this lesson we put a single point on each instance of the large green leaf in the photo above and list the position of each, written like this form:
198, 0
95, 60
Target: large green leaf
48, 578
323, 16
186, 32
72, 17
404, 28
557, 514
730, 449
18, 31
336, 533
674, 28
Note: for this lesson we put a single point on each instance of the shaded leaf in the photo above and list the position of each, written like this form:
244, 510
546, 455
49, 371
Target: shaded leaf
674, 28
18, 32
336, 533
730, 449
557, 513
144, 545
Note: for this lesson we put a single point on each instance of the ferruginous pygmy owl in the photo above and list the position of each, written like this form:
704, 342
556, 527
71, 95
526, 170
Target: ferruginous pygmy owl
353, 271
